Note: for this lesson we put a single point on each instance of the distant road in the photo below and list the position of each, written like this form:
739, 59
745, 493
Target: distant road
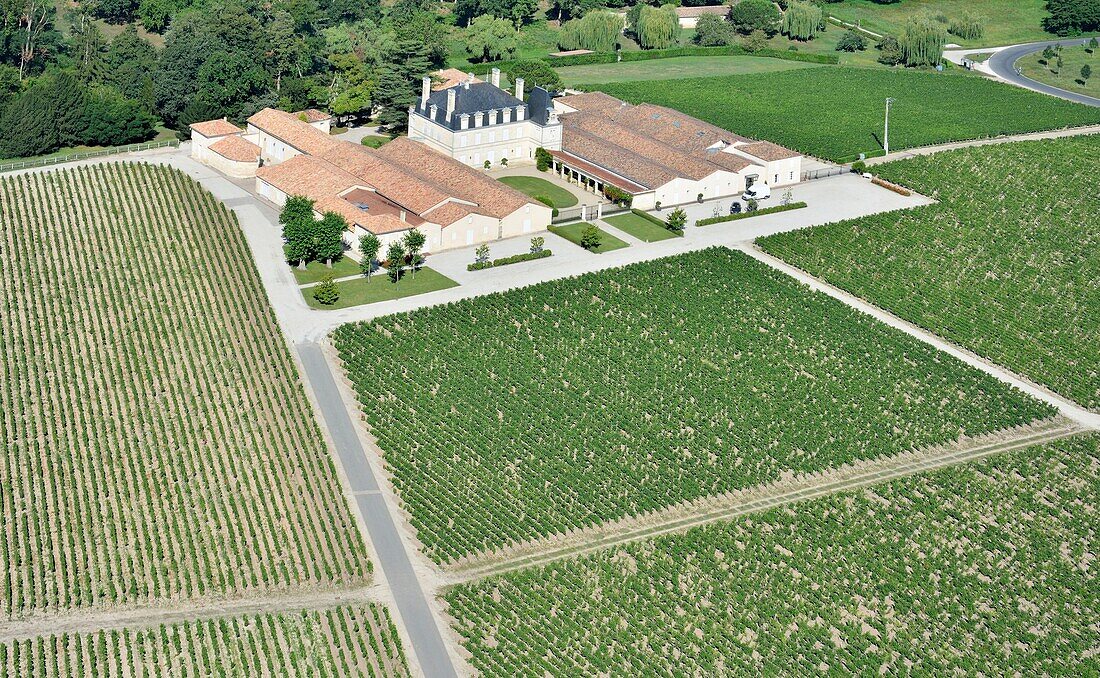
427, 643
1003, 64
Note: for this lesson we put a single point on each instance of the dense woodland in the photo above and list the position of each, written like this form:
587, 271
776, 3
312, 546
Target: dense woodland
64, 82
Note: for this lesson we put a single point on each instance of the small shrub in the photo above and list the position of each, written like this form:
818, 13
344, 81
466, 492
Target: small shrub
851, 42
755, 42
676, 221
481, 254
487, 164
537, 243
326, 292
504, 162
859, 167
543, 159
591, 237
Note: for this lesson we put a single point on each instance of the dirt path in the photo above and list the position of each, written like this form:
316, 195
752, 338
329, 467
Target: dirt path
88, 621
753, 500
939, 148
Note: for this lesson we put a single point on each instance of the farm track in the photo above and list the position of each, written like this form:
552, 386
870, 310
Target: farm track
148, 616
766, 497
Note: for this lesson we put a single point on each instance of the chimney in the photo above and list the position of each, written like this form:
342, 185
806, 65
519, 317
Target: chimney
425, 91
450, 103
495, 78
519, 88
469, 79
434, 110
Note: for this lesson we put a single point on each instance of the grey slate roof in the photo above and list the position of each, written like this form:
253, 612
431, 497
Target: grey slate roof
483, 97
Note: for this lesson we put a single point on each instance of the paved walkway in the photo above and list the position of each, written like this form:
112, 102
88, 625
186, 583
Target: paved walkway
929, 150
1002, 66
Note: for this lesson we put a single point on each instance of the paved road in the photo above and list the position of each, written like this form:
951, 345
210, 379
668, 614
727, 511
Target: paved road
427, 643
1003, 65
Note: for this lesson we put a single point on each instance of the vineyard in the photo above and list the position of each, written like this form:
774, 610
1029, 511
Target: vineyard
158, 443
1008, 264
930, 108
331, 643
981, 569
566, 404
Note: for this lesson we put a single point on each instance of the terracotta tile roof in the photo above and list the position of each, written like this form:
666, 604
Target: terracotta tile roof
695, 12
673, 127
288, 128
622, 161
448, 213
395, 181
591, 101
312, 115
767, 151
236, 148
448, 78
598, 172
456, 179
677, 161
215, 128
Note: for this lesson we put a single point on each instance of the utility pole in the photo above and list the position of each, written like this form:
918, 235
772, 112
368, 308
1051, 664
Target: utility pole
886, 130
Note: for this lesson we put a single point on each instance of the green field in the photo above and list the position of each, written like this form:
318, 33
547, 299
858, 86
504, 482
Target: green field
572, 232
315, 270
641, 228
1007, 264
1067, 77
157, 441
361, 291
988, 565
575, 402
1007, 22
536, 188
678, 67
343, 641
837, 112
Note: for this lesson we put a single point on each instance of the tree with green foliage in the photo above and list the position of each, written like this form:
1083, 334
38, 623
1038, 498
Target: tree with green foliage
130, 62
851, 41
326, 292
676, 220
27, 126
802, 20
399, 83
598, 31
1072, 17
1086, 72
414, 242
368, 247
889, 51
155, 15
395, 260
755, 41
537, 244
519, 12
88, 48
537, 73
591, 237
967, 26
922, 42
755, 15
111, 119
657, 27
572, 9
329, 237
481, 254
543, 159
714, 31
488, 38
298, 224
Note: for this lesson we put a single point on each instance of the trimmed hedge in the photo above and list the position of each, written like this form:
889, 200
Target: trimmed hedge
514, 259
671, 53
745, 215
649, 217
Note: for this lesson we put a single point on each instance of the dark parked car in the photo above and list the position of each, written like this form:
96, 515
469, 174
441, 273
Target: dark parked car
735, 208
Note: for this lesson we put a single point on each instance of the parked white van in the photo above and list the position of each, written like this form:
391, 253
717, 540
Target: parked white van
758, 191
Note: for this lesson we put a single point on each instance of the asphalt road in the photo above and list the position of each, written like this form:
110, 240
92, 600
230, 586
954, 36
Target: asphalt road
389, 550
1003, 64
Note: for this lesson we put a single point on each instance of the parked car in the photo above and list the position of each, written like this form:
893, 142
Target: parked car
735, 208
759, 191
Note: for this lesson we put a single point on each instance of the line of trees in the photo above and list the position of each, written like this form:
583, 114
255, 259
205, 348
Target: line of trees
309, 239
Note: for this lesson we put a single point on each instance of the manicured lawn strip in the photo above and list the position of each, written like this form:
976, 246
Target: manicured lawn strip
315, 270
640, 227
379, 288
574, 402
1007, 22
677, 67
536, 187
1067, 77
930, 108
748, 215
572, 233
1003, 265
934, 574
375, 140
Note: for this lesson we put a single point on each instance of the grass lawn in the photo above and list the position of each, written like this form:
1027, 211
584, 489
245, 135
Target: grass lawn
1007, 22
1067, 77
679, 67
536, 188
640, 227
572, 233
379, 288
837, 112
315, 270
375, 140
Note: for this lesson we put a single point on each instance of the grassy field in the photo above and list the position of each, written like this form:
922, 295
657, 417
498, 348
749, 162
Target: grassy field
1006, 264
838, 112
380, 288
640, 227
1007, 22
572, 232
986, 565
679, 67
315, 270
1069, 75
157, 440
541, 188
616, 393
344, 641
